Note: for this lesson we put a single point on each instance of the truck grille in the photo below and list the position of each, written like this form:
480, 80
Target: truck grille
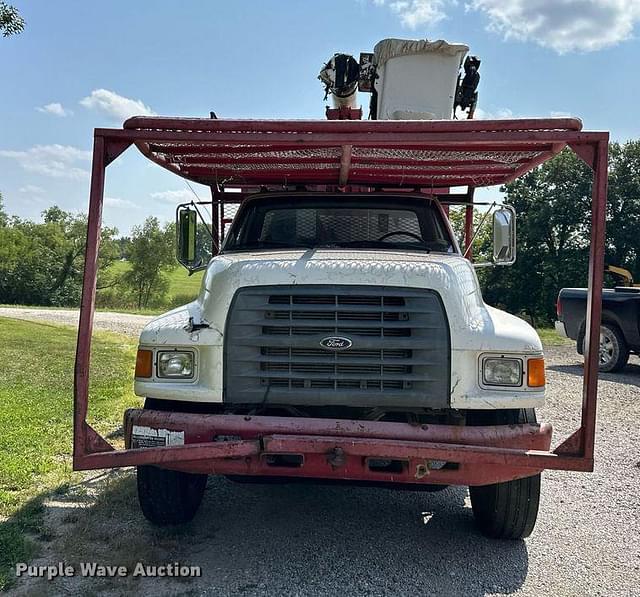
399, 355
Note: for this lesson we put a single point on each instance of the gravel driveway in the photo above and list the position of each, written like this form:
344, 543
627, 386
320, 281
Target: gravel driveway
324, 540
124, 323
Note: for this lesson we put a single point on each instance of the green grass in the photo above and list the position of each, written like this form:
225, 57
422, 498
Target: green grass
36, 382
180, 282
550, 337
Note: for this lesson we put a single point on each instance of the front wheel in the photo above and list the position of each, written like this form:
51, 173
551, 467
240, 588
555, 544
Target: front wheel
508, 510
169, 497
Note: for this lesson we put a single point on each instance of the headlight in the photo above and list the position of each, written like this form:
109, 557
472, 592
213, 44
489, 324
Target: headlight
175, 365
502, 371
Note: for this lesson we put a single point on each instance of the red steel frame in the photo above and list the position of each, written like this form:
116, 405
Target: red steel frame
339, 448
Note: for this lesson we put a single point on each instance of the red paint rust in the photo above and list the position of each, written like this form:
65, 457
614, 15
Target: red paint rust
200, 427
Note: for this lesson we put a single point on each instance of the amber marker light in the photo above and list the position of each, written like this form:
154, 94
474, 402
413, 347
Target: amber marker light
535, 373
144, 363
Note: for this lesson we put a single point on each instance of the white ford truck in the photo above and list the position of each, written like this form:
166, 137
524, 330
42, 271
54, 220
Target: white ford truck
355, 307
340, 334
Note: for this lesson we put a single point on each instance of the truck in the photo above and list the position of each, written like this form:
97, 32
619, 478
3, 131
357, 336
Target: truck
620, 328
340, 333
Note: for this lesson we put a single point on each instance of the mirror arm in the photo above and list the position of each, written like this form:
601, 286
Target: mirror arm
192, 269
477, 231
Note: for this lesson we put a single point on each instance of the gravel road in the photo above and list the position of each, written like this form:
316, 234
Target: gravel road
124, 323
323, 540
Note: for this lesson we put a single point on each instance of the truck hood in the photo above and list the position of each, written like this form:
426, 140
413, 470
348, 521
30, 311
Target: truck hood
474, 325
475, 328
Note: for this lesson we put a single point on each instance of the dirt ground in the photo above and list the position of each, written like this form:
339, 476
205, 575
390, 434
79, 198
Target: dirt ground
327, 540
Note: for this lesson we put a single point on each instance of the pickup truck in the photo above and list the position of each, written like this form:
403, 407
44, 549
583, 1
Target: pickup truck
356, 307
620, 329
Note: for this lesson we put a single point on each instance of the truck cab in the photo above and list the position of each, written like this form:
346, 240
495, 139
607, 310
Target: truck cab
364, 302
350, 306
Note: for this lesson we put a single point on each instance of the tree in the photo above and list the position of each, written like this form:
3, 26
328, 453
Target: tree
4, 218
554, 219
42, 264
482, 240
623, 207
11, 22
70, 233
123, 243
553, 206
151, 253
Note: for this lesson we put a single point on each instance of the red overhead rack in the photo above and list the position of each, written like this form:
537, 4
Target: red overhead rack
366, 153
383, 155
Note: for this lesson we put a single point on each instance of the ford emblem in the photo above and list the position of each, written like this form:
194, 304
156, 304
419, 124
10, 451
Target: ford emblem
336, 343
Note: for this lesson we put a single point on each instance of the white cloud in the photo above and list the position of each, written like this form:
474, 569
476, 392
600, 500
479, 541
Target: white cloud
56, 109
499, 114
181, 196
31, 189
58, 161
414, 13
482, 114
114, 105
32, 195
117, 202
506, 113
562, 25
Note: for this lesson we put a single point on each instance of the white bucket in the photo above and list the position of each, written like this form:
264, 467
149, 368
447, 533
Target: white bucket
417, 78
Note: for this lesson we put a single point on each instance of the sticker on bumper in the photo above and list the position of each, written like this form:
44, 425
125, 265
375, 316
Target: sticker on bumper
148, 437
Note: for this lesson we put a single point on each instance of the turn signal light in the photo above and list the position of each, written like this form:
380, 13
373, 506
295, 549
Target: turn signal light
144, 363
535, 373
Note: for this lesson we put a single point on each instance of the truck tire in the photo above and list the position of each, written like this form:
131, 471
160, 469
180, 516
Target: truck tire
169, 497
508, 510
614, 352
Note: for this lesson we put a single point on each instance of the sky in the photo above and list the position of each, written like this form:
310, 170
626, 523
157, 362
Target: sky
80, 65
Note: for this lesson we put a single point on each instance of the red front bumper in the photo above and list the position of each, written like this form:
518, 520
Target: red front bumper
333, 449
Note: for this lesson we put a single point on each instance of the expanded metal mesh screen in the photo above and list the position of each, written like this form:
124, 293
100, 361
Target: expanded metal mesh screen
313, 226
390, 153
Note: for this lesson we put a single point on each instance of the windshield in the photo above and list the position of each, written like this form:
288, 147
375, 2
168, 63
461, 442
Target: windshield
410, 224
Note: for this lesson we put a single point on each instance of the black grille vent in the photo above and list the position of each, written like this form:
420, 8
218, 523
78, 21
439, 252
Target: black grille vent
399, 354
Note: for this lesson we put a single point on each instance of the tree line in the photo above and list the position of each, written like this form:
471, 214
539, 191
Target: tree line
553, 203
41, 263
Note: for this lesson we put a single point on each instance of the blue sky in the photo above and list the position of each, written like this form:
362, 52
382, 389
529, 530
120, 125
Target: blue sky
81, 65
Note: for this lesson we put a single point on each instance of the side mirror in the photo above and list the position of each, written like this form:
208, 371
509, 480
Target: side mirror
186, 227
504, 236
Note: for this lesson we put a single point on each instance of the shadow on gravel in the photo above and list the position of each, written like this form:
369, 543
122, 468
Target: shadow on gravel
288, 539
630, 375
320, 539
